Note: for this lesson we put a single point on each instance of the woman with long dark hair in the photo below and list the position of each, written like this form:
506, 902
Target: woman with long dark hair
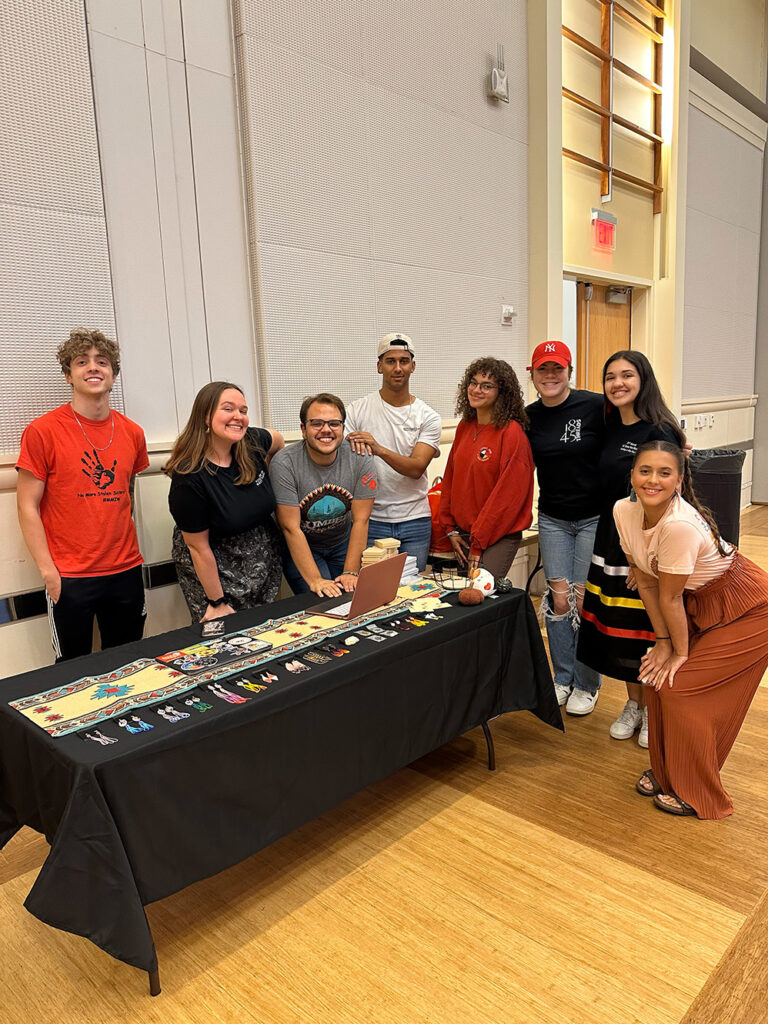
615, 630
226, 545
487, 489
709, 608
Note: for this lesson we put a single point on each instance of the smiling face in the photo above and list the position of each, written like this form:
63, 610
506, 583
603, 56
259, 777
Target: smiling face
621, 383
396, 368
655, 478
482, 391
229, 420
90, 374
320, 435
551, 380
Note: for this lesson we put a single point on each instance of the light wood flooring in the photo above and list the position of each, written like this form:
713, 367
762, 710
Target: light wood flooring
547, 892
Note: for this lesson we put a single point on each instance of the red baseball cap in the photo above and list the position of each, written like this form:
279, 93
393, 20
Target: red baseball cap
551, 352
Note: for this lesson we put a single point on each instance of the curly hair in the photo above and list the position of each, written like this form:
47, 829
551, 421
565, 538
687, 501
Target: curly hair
81, 340
509, 404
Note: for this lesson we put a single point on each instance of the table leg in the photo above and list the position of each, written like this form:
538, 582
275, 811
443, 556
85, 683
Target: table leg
154, 982
489, 744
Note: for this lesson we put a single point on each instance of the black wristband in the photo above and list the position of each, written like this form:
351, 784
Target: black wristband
219, 601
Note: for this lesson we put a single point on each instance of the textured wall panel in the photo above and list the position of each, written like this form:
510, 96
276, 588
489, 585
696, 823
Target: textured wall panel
385, 190
722, 260
445, 193
54, 271
307, 153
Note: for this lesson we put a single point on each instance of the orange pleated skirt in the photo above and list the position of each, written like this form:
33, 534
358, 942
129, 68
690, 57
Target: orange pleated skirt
693, 724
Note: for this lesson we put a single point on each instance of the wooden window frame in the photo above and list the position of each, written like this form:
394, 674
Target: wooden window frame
604, 109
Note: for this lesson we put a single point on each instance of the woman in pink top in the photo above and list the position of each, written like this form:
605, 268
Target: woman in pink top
709, 609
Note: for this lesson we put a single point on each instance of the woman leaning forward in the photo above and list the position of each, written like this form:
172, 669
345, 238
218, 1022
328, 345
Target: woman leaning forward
709, 609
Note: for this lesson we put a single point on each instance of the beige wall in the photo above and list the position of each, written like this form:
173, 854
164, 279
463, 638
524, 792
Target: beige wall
734, 35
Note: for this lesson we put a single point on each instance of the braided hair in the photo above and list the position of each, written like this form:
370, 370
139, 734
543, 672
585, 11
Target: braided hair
688, 493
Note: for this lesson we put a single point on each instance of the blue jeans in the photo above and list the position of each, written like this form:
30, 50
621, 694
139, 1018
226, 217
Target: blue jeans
566, 552
329, 562
414, 536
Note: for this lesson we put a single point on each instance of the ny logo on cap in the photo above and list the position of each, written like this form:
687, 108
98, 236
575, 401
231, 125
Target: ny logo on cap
549, 347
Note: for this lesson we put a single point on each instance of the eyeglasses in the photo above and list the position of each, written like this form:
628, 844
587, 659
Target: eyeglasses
484, 386
318, 424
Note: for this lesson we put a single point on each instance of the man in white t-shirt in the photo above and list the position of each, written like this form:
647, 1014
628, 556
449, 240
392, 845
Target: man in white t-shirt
403, 434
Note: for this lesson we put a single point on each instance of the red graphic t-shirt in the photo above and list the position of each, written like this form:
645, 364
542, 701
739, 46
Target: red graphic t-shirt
86, 506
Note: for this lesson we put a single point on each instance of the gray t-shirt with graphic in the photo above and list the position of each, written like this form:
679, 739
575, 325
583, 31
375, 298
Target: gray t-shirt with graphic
323, 494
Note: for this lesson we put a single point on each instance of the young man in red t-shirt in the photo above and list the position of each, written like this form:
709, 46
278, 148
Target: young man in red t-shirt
75, 489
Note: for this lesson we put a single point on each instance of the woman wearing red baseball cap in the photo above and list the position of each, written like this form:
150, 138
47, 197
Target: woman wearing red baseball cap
566, 431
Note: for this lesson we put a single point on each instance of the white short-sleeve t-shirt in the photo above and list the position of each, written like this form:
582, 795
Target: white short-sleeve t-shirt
680, 543
399, 428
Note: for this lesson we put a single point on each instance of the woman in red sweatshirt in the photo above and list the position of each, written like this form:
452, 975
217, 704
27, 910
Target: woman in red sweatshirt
487, 489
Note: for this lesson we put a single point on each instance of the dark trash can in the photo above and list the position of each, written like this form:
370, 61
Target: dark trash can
716, 476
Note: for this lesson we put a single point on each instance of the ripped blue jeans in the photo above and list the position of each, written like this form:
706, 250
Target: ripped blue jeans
566, 552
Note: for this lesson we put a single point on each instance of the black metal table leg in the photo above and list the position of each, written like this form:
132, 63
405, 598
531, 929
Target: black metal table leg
154, 982
491, 750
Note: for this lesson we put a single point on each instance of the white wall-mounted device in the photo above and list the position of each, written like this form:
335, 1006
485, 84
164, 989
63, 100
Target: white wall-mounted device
498, 86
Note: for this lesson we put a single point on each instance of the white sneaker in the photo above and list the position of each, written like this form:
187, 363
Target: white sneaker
642, 737
562, 693
581, 702
628, 722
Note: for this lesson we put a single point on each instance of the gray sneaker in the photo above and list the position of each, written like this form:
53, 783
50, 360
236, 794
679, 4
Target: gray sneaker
642, 736
628, 722
581, 702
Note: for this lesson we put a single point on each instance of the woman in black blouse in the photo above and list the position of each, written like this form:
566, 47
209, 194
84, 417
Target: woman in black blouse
615, 629
225, 543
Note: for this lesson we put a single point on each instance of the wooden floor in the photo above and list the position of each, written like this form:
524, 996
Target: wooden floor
547, 892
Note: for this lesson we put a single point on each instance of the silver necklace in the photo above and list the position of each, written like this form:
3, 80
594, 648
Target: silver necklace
393, 418
90, 442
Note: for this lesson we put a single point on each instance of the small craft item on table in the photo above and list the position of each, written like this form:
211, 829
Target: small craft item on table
384, 547
213, 653
481, 585
93, 699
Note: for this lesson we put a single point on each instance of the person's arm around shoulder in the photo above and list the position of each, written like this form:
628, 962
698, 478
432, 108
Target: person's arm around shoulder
277, 444
29, 494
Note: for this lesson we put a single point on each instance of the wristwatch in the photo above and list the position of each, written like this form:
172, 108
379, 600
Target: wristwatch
224, 599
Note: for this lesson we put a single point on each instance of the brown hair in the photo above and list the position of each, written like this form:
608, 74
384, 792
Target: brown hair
509, 404
324, 398
688, 493
80, 341
189, 451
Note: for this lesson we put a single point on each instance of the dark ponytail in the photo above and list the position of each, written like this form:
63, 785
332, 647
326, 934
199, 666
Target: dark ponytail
688, 493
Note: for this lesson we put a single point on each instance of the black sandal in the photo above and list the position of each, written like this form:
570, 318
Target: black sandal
683, 811
656, 788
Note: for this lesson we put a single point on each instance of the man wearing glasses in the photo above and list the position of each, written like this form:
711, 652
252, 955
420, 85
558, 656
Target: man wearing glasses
325, 494
403, 434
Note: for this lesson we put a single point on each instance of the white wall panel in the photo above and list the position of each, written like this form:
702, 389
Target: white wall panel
307, 153
445, 193
724, 198
163, 31
221, 227
207, 35
121, 19
54, 267
385, 190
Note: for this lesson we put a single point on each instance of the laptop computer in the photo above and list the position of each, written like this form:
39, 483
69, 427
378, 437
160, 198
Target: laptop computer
376, 585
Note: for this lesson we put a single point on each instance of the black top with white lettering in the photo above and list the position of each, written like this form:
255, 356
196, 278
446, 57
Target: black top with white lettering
567, 441
213, 501
621, 443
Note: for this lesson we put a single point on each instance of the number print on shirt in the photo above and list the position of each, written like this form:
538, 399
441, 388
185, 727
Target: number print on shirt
572, 431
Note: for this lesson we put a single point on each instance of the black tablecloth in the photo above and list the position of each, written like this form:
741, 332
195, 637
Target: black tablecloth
136, 821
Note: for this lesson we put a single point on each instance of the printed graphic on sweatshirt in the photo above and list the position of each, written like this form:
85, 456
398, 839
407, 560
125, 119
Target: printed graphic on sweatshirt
572, 431
324, 509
